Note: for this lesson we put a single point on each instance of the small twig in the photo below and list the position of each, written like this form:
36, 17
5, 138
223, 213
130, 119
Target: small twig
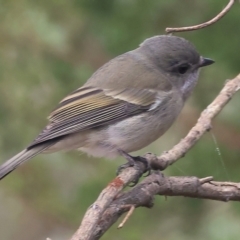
206, 180
202, 25
130, 212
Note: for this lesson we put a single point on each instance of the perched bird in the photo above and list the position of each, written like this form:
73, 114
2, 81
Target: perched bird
124, 106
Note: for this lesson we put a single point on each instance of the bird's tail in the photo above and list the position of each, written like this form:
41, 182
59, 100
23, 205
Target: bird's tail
20, 158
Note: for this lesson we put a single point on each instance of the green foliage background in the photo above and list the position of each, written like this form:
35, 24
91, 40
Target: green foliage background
50, 47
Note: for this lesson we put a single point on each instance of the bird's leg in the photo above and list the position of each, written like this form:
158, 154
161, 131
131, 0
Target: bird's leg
132, 163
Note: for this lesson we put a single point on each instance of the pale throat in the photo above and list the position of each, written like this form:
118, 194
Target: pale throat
189, 84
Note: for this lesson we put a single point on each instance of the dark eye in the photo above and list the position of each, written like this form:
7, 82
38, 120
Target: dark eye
183, 68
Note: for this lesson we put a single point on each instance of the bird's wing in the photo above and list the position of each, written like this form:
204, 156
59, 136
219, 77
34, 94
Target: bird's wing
90, 107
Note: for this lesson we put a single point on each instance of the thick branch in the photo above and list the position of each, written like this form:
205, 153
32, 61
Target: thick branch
143, 195
95, 211
203, 25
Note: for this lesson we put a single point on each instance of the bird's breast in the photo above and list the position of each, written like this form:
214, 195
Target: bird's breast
139, 131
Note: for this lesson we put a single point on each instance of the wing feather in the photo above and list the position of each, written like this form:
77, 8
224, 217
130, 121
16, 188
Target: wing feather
89, 107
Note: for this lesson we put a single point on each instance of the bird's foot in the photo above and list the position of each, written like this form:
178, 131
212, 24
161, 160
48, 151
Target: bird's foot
133, 162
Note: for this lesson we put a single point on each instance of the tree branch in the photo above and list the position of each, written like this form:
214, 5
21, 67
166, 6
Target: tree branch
203, 25
95, 211
111, 203
203, 124
156, 184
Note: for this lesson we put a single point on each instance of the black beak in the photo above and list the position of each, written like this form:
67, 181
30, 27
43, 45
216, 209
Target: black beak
205, 62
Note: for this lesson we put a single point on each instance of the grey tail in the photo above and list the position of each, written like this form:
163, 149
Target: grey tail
20, 158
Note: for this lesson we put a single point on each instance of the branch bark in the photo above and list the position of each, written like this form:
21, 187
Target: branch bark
95, 211
156, 184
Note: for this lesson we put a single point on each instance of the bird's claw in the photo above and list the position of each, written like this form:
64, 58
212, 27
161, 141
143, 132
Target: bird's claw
133, 162
146, 164
123, 166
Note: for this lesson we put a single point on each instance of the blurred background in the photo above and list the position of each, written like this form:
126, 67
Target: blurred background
48, 48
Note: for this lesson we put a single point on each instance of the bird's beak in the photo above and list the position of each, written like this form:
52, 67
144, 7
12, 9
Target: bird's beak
205, 62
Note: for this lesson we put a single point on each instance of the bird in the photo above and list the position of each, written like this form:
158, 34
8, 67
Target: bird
128, 103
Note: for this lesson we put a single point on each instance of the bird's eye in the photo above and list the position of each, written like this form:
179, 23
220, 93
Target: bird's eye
183, 68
